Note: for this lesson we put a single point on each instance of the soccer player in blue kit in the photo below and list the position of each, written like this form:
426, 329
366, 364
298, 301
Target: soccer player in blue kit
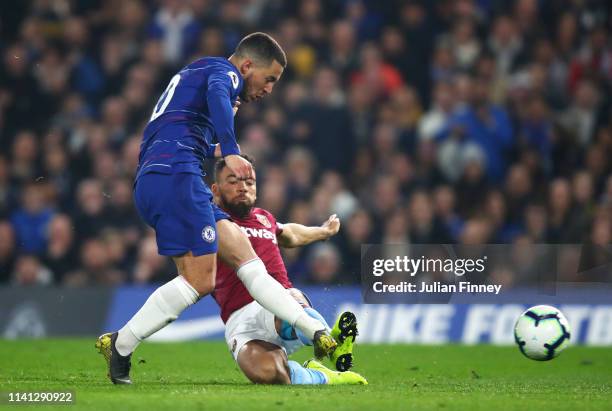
198, 106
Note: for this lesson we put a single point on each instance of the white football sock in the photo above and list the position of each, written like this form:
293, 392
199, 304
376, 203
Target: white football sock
161, 308
274, 297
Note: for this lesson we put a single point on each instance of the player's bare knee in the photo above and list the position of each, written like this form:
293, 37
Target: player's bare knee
277, 369
258, 372
203, 286
199, 272
203, 281
264, 363
270, 372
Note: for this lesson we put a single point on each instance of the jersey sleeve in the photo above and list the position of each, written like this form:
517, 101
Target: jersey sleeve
279, 228
221, 113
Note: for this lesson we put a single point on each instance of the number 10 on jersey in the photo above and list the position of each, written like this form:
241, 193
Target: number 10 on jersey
165, 98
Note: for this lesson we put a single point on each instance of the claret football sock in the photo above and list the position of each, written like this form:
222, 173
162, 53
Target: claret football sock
161, 308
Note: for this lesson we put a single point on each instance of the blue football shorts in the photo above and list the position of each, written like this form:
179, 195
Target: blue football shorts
179, 208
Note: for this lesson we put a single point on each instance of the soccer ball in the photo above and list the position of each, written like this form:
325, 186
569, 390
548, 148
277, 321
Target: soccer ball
542, 332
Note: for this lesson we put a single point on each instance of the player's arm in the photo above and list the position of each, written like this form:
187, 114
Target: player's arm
214, 151
297, 235
222, 116
222, 112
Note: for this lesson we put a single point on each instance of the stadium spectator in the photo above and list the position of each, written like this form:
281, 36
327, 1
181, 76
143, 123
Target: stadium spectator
424, 226
535, 223
176, 27
58, 173
324, 264
445, 209
91, 215
464, 43
466, 121
117, 249
121, 213
342, 55
21, 96
96, 267
380, 77
32, 218
579, 119
24, 157
7, 250
7, 190
30, 272
273, 194
433, 121
150, 266
61, 255
486, 125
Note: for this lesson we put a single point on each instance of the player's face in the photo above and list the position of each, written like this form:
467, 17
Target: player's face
235, 195
260, 80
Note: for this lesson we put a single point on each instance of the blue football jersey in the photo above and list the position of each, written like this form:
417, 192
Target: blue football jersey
194, 110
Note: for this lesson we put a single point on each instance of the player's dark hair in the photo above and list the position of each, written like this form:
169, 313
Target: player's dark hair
221, 164
262, 48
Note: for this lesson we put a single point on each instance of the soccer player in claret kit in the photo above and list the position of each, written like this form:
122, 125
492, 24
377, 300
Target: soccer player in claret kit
197, 107
258, 340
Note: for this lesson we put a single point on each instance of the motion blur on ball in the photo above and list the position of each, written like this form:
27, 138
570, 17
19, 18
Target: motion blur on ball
542, 332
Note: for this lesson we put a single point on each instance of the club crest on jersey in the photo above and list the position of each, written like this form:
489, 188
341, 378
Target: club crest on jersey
263, 220
208, 234
234, 77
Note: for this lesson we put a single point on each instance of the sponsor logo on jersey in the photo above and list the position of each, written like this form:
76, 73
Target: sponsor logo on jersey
259, 233
234, 77
208, 234
263, 220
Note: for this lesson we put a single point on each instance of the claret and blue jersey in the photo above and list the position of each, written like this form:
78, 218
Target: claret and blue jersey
194, 110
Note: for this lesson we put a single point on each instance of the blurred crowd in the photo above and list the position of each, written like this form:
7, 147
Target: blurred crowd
463, 121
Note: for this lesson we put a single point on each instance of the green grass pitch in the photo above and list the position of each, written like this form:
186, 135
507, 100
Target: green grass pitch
202, 375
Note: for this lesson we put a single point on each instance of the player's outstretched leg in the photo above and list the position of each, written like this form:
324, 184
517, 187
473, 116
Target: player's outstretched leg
118, 366
265, 363
335, 377
161, 308
344, 332
236, 250
193, 250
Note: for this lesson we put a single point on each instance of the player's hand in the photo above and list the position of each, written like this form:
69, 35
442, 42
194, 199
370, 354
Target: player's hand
235, 108
241, 168
331, 226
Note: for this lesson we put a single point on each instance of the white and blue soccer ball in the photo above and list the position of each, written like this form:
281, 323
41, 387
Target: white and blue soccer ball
542, 332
